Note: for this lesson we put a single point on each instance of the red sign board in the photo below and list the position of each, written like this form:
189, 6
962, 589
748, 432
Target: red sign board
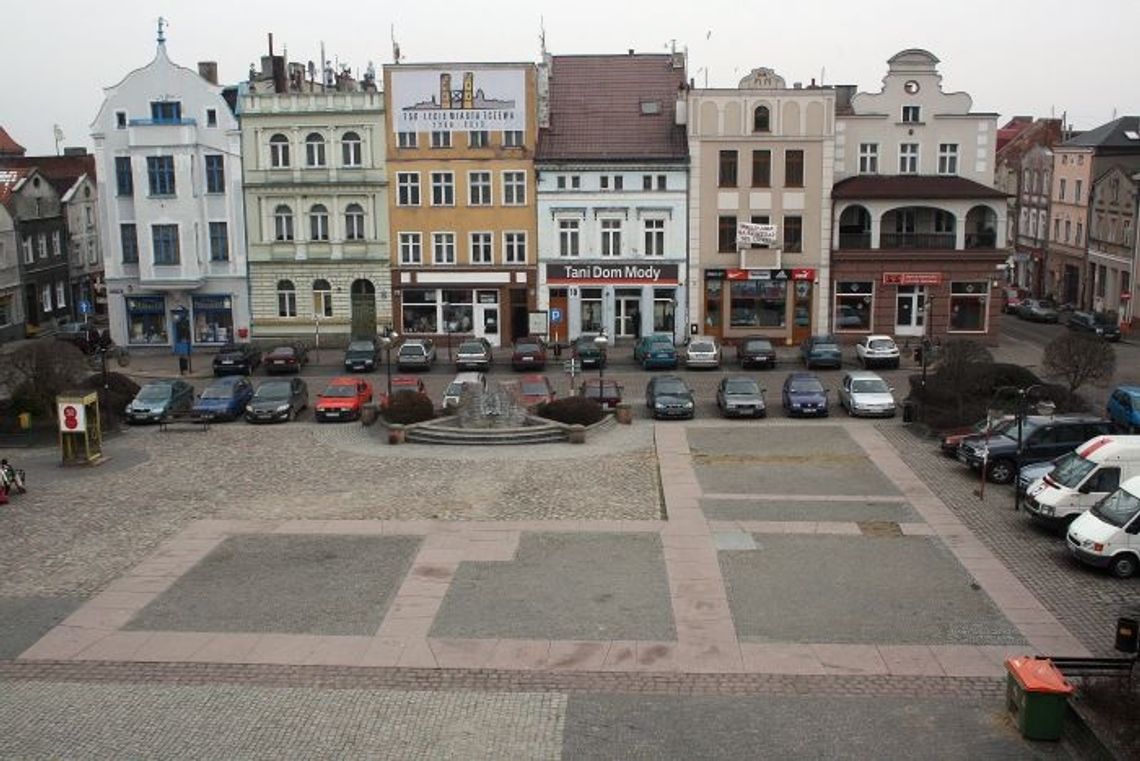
1126, 296
912, 278
782, 274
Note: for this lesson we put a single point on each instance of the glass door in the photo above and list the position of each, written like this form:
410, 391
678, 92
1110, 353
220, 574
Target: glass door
628, 316
910, 314
487, 316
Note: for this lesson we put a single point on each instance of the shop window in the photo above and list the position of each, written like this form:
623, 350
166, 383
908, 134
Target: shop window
458, 312
713, 294
758, 303
591, 310
968, 306
146, 320
213, 319
664, 310
853, 305
420, 311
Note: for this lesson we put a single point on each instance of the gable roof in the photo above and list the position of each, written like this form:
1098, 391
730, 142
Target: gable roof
1111, 135
596, 109
61, 171
10, 179
912, 186
8, 146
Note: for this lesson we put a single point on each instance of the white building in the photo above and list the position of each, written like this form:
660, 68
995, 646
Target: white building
168, 151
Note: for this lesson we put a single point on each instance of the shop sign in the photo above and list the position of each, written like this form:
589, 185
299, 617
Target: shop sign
717, 274
458, 100
1126, 296
912, 278
586, 274
798, 273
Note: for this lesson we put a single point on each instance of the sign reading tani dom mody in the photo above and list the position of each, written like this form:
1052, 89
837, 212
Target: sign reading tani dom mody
458, 100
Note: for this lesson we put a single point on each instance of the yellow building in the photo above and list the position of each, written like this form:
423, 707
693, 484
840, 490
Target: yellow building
461, 140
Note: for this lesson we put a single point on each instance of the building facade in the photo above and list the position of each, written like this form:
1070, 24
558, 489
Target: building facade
316, 207
461, 146
760, 154
1033, 210
612, 169
920, 230
168, 152
1112, 243
1018, 144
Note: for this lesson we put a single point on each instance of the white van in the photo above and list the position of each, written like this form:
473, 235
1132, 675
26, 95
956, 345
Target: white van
1082, 478
456, 388
1108, 535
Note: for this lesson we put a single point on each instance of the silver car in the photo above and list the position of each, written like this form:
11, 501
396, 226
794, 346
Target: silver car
474, 354
702, 352
866, 394
416, 354
740, 396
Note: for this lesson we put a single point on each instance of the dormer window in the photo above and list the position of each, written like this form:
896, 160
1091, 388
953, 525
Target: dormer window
166, 112
911, 114
760, 120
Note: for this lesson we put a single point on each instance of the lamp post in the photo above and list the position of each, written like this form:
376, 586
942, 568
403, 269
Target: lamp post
386, 340
1044, 407
601, 342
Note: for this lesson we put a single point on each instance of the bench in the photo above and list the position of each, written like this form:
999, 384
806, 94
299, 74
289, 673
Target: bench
1086, 667
183, 418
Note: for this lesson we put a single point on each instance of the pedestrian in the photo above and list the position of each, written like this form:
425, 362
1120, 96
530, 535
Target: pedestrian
10, 478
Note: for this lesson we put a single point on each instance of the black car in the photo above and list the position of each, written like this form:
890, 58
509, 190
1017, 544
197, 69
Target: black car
669, 396
360, 356
1094, 323
755, 351
236, 359
1043, 437
277, 401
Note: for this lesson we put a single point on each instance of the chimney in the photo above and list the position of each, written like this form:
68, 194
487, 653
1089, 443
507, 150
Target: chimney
631, 51
208, 70
797, 85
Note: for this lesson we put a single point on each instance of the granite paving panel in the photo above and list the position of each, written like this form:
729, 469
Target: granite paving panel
796, 510
23, 620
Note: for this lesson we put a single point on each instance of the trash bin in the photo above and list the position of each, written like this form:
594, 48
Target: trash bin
1036, 695
24, 419
1127, 634
183, 365
908, 410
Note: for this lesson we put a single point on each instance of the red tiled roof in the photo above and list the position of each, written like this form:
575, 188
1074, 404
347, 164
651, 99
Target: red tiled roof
916, 186
596, 109
60, 171
9, 178
8, 146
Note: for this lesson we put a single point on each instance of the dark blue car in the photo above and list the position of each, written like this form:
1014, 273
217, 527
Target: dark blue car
804, 394
1124, 408
225, 398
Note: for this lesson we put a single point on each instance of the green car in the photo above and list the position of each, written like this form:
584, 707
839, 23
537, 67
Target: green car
587, 352
655, 350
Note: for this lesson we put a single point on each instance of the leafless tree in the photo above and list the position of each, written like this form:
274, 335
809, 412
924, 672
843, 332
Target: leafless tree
1080, 359
35, 372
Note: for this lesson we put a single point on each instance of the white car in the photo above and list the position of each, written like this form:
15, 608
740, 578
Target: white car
877, 350
1108, 535
864, 393
703, 352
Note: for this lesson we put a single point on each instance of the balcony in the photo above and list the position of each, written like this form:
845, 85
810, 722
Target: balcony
986, 239
857, 241
162, 123
917, 241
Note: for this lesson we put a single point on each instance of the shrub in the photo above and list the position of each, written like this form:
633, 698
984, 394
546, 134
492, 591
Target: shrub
1080, 359
113, 399
573, 410
407, 407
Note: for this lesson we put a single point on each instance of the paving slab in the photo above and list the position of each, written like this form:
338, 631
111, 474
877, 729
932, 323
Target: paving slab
800, 510
23, 620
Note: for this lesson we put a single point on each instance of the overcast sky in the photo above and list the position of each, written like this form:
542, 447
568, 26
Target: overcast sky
1037, 57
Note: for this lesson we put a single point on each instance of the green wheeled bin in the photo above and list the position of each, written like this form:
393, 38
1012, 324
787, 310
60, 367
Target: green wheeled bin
1036, 695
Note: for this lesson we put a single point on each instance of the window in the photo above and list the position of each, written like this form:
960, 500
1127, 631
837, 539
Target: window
647, 182
575, 182
761, 169
6, 311
793, 235
514, 188
478, 139
406, 139
727, 174
604, 182
868, 158
354, 222
45, 298
318, 222
160, 172
57, 243
124, 181
443, 248
314, 150
1077, 190
611, 237
1062, 189
661, 182
41, 245
1080, 233
479, 188
908, 158
513, 138
60, 294
411, 248
654, 237
1056, 228
561, 182
442, 189
129, 243
29, 252
943, 221
794, 169
120, 119
322, 298
286, 299
948, 158
758, 303
351, 153
968, 303
760, 219
1068, 230
283, 223
219, 242
278, 151
726, 234
407, 188
514, 248
165, 239
440, 139
166, 112
215, 174
211, 117
761, 119
618, 181
568, 236
481, 248
911, 114
853, 305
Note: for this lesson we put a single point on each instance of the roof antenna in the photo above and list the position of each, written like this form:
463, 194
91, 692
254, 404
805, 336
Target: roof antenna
542, 37
395, 46
162, 23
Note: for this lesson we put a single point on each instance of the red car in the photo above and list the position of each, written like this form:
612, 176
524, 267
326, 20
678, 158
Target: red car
948, 440
403, 383
534, 390
607, 393
529, 354
286, 359
1011, 298
344, 399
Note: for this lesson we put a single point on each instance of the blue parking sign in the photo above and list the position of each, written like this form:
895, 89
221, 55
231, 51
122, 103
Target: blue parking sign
556, 316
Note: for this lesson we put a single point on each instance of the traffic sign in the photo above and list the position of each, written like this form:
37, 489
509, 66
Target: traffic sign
556, 316
572, 366
84, 306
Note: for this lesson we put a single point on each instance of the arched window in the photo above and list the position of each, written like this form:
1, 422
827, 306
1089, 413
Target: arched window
286, 299
319, 222
278, 151
760, 121
283, 223
350, 149
354, 222
322, 298
314, 150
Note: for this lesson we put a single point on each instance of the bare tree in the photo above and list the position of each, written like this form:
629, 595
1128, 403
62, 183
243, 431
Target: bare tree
1080, 359
35, 372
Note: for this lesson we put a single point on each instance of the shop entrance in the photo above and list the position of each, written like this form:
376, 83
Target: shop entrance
801, 316
627, 315
910, 314
487, 316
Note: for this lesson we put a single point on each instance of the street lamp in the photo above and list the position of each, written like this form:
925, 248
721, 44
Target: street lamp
601, 342
1044, 407
386, 340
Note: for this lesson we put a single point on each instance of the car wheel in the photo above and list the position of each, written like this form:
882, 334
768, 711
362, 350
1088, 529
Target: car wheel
1123, 566
763, 413
1001, 471
291, 416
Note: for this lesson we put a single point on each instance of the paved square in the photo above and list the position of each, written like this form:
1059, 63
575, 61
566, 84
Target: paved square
566, 587
815, 510
23, 620
285, 584
859, 589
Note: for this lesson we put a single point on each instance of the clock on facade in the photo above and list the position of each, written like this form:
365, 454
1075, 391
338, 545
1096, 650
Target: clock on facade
911, 86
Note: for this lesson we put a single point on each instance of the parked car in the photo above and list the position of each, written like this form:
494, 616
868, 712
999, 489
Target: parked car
1108, 535
1034, 472
277, 401
821, 351
419, 354
236, 359
160, 398
669, 396
286, 359
1094, 323
224, 399
1123, 408
950, 438
587, 351
864, 393
401, 383
1082, 478
877, 350
361, 356
343, 399
740, 396
1043, 437
702, 351
755, 351
804, 394
607, 392
655, 350
454, 391
474, 354
529, 353
1036, 310
84, 335
1011, 299
534, 390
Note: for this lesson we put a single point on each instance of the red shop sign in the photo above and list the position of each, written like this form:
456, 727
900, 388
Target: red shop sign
912, 278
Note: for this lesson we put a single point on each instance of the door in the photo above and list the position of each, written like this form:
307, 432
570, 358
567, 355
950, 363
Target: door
487, 316
801, 315
363, 300
559, 333
910, 310
628, 316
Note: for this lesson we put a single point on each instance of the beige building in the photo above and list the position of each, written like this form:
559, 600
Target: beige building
1067, 233
1112, 241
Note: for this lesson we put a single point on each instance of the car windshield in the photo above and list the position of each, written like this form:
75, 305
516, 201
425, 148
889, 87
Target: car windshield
821, 346
758, 346
418, 351
360, 346
534, 389
229, 349
455, 389
1118, 508
702, 346
671, 387
221, 391
741, 386
806, 386
283, 351
273, 391
870, 386
1071, 469
881, 343
470, 347
340, 390
154, 393
1135, 403
526, 346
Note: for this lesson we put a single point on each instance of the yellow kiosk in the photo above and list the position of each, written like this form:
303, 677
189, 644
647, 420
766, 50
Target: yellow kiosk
80, 435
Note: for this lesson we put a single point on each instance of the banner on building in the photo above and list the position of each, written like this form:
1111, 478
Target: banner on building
912, 278
609, 274
753, 234
458, 100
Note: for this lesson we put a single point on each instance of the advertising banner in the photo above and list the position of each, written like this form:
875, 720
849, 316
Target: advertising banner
460, 100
